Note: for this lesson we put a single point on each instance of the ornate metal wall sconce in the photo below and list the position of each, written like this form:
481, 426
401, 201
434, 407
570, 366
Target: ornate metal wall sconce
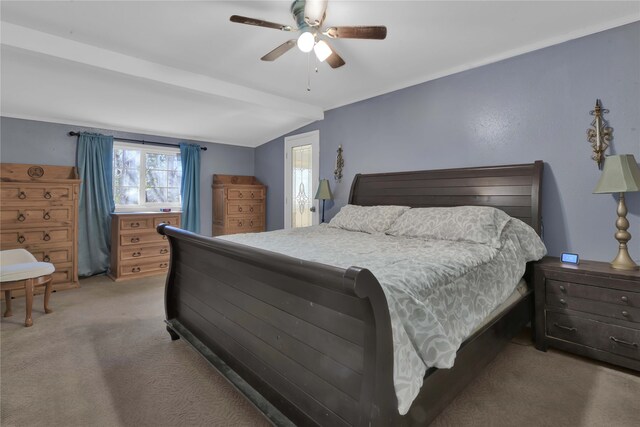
599, 135
337, 173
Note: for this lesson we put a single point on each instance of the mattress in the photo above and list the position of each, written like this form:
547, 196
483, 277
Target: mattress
438, 291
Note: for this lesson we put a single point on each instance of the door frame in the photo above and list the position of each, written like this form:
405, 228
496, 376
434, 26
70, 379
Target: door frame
306, 138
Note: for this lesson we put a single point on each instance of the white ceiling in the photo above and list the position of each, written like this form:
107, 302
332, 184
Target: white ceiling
182, 69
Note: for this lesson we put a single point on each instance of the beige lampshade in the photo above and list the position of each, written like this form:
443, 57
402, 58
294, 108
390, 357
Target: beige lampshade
324, 192
620, 175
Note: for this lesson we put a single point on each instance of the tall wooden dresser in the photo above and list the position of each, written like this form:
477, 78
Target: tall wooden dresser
39, 213
137, 250
238, 204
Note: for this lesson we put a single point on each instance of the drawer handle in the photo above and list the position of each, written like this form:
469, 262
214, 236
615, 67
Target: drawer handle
46, 258
239, 208
168, 222
21, 217
135, 239
562, 301
624, 343
625, 299
46, 216
135, 270
164, 250
47, 195
566, 328
164, 265
21, 239
563, 289
251, 209
135, 224
252, 195
625, 313
22, 195
239, 223
164, 237
250, 223
136, 254
240, 195
46, 237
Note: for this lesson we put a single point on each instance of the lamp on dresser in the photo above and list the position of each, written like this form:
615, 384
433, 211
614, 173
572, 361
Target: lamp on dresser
620, 175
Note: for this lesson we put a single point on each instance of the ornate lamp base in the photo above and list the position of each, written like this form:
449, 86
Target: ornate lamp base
623, 261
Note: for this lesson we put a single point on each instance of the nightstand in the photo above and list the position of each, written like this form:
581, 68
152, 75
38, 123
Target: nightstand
588, 309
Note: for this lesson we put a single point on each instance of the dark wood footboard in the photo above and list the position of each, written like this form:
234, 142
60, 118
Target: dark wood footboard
312, 339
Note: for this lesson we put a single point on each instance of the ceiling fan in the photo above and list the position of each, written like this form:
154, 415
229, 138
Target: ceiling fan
309, 16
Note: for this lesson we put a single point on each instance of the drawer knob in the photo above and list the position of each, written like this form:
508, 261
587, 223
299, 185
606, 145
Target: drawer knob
625, 313
21, 239
625, 299
135, 270
563, 289
21, 217
22, 195
562, 301
251, 209
624, 343
135, 239
136, 254
135, 224
566, 328
46, 237
46, 258
46, 216
239, 208
47, 195
164, 250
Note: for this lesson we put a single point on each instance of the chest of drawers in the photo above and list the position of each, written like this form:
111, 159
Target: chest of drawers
590, 309
238, 204
39, 213
137, 250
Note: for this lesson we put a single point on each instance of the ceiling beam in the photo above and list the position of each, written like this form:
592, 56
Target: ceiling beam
59, 47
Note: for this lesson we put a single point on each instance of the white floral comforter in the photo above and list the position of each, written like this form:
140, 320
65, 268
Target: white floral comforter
438, 290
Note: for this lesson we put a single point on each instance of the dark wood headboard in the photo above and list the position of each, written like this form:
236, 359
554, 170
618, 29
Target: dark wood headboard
513, 188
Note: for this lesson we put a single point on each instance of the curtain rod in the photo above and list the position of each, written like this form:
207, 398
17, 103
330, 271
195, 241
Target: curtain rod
140, 141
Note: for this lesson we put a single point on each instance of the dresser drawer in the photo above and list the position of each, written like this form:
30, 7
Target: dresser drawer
28, 193
591, 333
54, 255
63, 273
245, 224
245, 194
135, 223
132, 268
173, 220
11, 216
135, 252
616, 311
240, 208
21, 238
141, 238
595, 293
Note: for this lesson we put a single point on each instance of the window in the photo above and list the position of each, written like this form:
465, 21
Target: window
146, 177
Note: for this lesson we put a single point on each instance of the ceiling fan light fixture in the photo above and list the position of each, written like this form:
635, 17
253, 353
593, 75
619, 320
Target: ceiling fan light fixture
306, 41
322, 50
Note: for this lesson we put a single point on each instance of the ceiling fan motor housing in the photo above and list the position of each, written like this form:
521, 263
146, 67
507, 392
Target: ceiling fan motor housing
308, 13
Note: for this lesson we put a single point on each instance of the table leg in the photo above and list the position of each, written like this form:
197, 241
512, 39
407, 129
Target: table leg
7, 301
28, 293
47, 295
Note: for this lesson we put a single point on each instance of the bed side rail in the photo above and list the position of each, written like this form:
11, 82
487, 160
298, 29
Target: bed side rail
313, 339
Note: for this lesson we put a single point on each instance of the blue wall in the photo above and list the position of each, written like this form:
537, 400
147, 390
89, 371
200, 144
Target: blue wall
530, 107
28, 141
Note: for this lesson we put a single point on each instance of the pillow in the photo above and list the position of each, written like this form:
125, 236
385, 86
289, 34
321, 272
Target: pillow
476, 224
368, 219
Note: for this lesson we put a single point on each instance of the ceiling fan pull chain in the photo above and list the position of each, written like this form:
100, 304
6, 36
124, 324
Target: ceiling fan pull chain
309, 72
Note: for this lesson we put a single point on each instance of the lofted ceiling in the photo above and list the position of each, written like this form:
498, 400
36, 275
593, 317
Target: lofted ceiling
182, 69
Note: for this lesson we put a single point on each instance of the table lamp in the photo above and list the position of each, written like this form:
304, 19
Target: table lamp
323, 193
620, 175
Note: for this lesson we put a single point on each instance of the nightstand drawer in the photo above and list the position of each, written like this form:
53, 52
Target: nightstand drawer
602, 336
630, 314
629, 299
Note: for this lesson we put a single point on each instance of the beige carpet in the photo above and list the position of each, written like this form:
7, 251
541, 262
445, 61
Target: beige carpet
103, 358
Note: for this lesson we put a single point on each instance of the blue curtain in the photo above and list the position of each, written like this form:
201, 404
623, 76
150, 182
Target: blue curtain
190, 186
95, 167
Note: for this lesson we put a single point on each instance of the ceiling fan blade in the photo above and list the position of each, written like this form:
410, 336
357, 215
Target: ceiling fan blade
334, 60
369, 32
259, 23
279, 51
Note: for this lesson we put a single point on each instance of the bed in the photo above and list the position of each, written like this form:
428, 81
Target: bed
273, 324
